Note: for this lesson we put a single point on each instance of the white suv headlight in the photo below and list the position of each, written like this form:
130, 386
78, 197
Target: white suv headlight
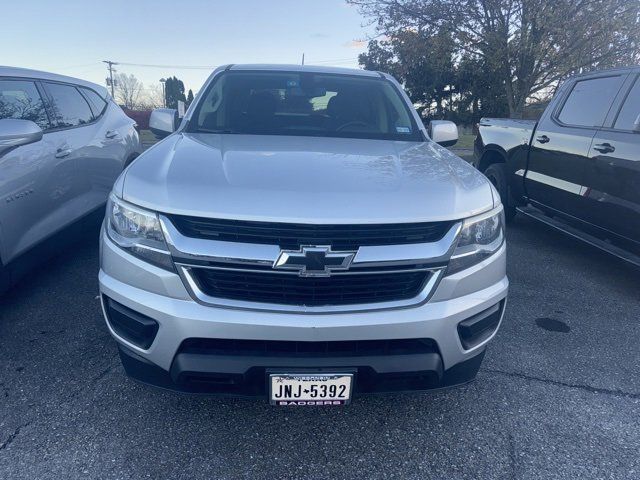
138, 232
481, 236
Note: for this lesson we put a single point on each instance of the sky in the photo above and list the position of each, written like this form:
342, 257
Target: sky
72, 37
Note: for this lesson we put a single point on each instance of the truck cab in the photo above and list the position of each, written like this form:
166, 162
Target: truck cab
578, 167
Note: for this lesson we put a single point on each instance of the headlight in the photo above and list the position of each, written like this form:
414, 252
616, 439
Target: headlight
481, 236
138, 232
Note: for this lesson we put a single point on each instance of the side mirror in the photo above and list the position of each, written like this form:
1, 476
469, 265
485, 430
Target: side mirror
15, 132
443, 132
163, 122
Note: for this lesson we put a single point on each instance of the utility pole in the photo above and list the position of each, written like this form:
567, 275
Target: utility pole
302, 58
163, 81
110, 65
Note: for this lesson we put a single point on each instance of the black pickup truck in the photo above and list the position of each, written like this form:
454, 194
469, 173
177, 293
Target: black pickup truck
578, 168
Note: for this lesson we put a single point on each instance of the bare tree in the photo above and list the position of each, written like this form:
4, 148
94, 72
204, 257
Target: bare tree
128, 90
151, 98
529, 45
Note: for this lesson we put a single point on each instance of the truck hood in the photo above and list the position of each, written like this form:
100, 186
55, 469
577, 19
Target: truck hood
305, 180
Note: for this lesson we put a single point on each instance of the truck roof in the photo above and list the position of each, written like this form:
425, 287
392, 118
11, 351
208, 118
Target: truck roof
629, 69
304, 68
28, 73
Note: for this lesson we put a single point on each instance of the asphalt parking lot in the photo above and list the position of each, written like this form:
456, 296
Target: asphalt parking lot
559, 403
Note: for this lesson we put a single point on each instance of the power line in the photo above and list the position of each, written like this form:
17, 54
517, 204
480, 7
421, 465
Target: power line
337, 60
211, 67
93, 64
188, 67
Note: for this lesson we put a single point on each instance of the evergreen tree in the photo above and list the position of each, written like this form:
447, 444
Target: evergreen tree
174, 91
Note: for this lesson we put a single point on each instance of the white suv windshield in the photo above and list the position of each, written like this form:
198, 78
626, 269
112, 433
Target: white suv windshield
311, 104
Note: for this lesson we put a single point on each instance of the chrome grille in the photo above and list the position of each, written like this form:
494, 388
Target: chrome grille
243, 274
294, 235
291, 289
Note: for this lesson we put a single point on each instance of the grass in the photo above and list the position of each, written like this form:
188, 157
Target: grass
465, 141
147, 137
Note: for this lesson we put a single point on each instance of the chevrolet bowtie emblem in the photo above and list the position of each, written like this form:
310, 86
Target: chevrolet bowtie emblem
314, 261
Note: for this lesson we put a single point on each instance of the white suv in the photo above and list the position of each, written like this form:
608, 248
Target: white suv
301, 237
63, 142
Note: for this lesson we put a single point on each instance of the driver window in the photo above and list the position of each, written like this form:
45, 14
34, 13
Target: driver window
20, 99
629, 116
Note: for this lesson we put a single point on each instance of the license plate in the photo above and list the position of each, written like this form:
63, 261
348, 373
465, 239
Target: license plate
310, 389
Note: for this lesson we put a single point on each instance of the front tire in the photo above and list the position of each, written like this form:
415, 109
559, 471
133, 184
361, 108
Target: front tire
497, 175
129, 161
5, 280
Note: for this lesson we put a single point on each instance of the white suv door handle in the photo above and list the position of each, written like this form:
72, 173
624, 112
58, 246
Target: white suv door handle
111, 134
63, 153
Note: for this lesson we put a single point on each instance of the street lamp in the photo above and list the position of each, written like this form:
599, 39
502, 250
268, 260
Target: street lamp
164, 96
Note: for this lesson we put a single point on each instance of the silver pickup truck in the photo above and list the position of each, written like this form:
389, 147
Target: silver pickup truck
301, 237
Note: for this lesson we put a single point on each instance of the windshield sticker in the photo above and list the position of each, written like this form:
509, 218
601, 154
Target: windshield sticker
403, 130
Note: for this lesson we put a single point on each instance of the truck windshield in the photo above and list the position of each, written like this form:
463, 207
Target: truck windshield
308, 104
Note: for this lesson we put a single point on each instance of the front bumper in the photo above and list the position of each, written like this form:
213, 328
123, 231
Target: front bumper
247, 376
161, 296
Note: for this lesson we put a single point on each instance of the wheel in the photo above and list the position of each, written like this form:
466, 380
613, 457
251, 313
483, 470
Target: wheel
4, 279
497, 174
129, 160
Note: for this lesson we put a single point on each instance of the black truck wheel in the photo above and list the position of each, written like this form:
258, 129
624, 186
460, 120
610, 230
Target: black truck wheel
5, 281
497, 174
